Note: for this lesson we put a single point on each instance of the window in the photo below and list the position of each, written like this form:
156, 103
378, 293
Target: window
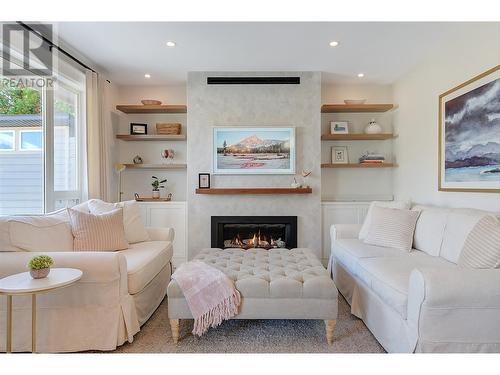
30, 140
41, 138
6, 140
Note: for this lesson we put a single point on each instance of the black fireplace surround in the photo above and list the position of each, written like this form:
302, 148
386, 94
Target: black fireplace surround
254, 231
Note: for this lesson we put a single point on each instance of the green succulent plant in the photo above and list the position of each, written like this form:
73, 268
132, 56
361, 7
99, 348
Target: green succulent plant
157, 183
39, 262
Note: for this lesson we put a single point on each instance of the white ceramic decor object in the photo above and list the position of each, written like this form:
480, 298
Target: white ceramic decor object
373, 127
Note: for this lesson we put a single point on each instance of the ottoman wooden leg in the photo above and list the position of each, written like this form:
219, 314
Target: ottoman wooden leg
174, 326
330, 327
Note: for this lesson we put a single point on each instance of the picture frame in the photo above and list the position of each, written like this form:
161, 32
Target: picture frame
253, 150
138, 129
340, 155
469, 135
204, 180
339, 127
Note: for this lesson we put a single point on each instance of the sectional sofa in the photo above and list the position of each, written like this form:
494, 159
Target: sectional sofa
420, 301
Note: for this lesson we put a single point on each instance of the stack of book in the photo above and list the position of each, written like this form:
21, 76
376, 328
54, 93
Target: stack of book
372, 159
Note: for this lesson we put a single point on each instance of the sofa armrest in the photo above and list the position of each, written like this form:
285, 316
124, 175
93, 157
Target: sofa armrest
340, 231
454, 305
161, 234
97, 267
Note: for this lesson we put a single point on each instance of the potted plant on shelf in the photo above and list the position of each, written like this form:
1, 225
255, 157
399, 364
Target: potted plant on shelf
157, 185
39, 266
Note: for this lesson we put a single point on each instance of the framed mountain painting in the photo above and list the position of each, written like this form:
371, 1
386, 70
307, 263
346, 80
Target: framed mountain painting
256, 150
469, 135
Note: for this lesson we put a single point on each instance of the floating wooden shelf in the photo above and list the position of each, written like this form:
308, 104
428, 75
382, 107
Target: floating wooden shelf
151, 137
142, 199
249, 191
355, 108
139, 108
156, 166
356, 137
359, 165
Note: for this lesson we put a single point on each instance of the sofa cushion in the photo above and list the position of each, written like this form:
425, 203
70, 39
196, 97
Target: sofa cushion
482, 246
458, 226
388, 277
430, 229
5, 242
402, 205
50, 232
144, 261
98, 232
350, 251
135, 231
392, 227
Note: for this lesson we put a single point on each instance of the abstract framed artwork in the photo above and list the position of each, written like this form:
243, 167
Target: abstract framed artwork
254, 150
469, 135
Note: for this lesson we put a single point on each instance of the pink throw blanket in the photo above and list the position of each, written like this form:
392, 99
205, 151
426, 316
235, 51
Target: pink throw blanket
210, 294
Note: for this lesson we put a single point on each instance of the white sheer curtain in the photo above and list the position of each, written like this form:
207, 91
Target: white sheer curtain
97, 142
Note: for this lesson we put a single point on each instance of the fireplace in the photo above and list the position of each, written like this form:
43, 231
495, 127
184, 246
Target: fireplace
246, 232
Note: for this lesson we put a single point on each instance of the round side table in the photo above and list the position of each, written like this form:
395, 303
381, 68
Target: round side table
23, 284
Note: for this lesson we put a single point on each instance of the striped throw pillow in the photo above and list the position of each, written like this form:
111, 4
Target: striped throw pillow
392, 227
482, 245
103, 232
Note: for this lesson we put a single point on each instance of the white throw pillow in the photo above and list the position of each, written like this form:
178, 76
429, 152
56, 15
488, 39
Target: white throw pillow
50, 232
392, 227
135, 231
482, 246
402, 205
102, 232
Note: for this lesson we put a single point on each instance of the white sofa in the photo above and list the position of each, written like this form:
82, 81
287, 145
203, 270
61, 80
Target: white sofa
117, 293
420, 301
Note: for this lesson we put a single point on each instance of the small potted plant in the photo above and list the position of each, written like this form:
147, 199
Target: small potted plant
157, 185
39, 266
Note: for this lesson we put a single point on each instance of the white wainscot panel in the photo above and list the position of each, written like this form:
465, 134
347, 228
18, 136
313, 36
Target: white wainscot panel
169, 215
339, 213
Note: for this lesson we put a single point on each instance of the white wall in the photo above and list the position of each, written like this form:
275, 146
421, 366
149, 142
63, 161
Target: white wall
416, 121
356, 184
139, 180
246, 105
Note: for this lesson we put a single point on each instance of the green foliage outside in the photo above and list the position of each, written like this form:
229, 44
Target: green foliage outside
19, 101
39, 262
27, 101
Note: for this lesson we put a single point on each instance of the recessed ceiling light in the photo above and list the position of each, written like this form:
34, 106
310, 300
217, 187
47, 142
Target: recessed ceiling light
361, 75
170, 44
334, 43
147, 75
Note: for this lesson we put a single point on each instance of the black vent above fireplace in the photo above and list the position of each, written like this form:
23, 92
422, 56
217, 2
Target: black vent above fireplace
253, 80
254, 231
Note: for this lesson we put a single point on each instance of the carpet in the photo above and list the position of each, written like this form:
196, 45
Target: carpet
255, 336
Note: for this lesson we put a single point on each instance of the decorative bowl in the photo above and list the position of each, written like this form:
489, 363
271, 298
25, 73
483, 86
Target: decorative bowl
40, 273
355, 101
150, 102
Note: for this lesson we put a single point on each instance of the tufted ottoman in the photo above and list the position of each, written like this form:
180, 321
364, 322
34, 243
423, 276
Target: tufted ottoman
274, 284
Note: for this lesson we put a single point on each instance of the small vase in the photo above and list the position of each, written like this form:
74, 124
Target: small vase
156, 194
40, 274
373, 127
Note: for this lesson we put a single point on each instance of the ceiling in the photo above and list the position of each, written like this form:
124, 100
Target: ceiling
382, 51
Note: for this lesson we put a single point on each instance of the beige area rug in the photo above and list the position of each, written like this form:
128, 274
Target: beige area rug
256, 336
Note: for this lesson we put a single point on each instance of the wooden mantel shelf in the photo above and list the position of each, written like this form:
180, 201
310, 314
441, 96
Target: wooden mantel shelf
355, 108
140, 108
249, 191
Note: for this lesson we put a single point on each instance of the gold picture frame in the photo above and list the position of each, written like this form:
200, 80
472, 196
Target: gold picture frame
458, 180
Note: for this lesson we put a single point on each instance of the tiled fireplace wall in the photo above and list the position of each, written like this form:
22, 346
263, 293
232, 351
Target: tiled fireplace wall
253, 105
